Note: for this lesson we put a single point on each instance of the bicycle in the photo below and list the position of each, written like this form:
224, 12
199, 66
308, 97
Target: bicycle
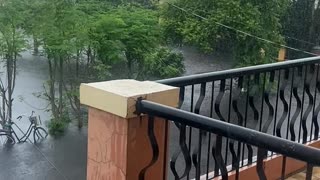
6, 138
9, 134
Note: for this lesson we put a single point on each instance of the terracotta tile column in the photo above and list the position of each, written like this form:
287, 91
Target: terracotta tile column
118, 143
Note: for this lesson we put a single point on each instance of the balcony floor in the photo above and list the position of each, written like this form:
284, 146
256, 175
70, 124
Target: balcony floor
302, 175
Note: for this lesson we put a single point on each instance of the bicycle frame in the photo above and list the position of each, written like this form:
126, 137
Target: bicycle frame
15, 134
26, 135
33, 127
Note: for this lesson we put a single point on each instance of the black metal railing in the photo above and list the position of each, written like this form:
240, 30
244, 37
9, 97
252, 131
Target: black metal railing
264, 142
280, 99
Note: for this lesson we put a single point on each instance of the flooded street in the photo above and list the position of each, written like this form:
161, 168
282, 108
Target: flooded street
55, 158
64, 157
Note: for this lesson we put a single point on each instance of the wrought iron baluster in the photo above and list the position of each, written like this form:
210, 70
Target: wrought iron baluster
309, 171
250, 150
309, 107
299, 104
254, 90
262, 153
212, 100
209, 139
201, 98
154, 145
236, 156
181, 101
283, 167
220, 165
277, 103
190, 128
317, 109
185, 151
284, 102
302, 104
196, 156
266, 98
314, 120
181, 96
219, 99
268, 103
216, 149
260, 165
208, 156
284, 158
290, 102
262, 100
182, 145
192, 98
166, 153
229, 115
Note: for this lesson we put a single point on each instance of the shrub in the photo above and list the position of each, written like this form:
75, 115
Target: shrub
57, 127
164, 63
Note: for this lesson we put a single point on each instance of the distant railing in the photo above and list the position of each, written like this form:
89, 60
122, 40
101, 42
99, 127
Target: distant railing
280, 99
217, 128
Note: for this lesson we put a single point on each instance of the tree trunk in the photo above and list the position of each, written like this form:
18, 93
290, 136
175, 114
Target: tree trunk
79, 115
3, 118
77, 66
52, 88
75, 98
312, 23
61, 85
35, 45
9, 91
129, 65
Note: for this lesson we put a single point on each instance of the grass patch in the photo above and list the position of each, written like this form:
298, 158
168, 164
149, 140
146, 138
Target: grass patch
57, 127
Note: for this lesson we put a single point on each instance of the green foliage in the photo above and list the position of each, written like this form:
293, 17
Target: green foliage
261, 19
144, 3
131, 35
107, 34
126, 33
57, 125
12, 40
101, 71
83, 41
163, 63
302, 21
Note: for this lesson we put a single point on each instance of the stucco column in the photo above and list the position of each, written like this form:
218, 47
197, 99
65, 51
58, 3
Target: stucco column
118, 143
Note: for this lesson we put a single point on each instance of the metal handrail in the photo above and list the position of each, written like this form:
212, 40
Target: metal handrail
218, 75
242, 134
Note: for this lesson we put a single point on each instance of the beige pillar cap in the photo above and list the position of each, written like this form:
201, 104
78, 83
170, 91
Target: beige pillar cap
119, 97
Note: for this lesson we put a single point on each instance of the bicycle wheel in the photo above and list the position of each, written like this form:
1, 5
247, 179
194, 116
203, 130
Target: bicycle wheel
6, 139
39, 134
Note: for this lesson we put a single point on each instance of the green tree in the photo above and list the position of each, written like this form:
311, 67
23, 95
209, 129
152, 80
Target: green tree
258, 18
302, 21
86, 40
34, 18
62, 39
12, 42
127, 34
163, 63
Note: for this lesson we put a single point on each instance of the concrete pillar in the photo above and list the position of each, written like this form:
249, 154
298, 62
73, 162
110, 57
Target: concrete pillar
118, 143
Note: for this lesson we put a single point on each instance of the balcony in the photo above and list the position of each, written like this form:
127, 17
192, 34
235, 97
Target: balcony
258, 122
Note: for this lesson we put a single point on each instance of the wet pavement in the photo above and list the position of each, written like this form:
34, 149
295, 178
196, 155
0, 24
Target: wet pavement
54, 159
64, 157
